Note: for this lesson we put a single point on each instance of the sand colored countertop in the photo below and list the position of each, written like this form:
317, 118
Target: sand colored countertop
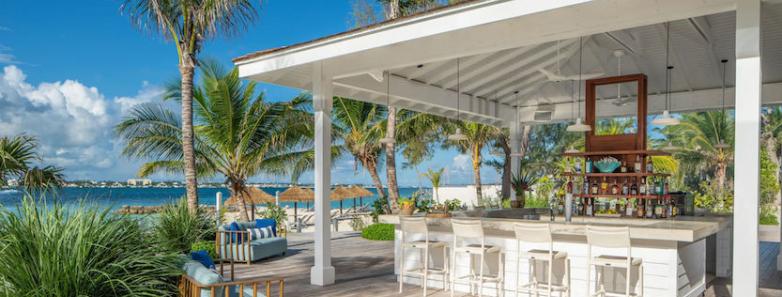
681, 228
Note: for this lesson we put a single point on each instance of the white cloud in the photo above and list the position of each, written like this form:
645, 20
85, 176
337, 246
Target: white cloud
72, 122
462, 162
5, 54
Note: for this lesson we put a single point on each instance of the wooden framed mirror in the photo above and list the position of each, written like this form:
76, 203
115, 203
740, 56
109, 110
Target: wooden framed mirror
631, 135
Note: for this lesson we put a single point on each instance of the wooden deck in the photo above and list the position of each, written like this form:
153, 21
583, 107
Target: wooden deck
366, 268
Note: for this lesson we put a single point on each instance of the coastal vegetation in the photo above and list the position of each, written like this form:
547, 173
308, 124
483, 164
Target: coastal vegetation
188, 25
17, 157
177, 229
50, 250
378, 231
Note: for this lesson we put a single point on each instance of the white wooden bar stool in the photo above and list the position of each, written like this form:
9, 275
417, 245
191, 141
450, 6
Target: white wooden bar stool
417, 225
612, 238
466, 231
541, 234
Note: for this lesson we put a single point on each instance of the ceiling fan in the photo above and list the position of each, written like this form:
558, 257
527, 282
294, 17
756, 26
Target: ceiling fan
558, 77
620, 100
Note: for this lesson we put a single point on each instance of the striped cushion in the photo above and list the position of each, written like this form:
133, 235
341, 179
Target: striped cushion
258, 233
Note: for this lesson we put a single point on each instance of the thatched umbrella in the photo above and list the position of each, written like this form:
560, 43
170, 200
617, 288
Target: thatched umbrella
340, 194
360, 192
297, 194
253, 196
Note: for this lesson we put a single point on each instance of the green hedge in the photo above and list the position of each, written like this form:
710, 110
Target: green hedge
208, 246
378, 232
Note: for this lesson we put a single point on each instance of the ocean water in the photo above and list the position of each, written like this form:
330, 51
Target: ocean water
117, 197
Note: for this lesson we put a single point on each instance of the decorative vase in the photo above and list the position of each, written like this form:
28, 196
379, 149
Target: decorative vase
407, 209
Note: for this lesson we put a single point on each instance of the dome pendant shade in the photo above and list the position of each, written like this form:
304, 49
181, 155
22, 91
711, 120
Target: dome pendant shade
665, 120
458, 136
579, 126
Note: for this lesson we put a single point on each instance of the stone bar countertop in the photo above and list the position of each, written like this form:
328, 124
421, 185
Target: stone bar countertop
680, 228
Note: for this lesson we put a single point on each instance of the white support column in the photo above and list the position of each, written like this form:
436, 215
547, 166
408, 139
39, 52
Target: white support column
515, 144
747, 148
322, 273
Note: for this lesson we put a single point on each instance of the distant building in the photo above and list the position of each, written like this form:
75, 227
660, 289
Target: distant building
139, 182
13, 183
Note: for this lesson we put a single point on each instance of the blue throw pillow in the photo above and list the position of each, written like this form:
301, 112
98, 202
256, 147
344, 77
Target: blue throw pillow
234, 226
260, 223
203, 258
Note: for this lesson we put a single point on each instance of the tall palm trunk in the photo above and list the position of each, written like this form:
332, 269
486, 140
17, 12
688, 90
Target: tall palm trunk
187, 69
393, 189
371, 166
722, 169
476, 169
239, 191
506, 167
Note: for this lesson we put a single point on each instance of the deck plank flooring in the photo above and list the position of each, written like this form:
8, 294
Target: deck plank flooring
366, 268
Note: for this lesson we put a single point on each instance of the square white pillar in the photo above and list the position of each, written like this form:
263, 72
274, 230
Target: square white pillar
747, 148
322, 273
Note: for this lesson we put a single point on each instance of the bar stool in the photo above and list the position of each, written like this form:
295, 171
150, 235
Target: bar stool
472, 230
417, 225
539, 233
612, 238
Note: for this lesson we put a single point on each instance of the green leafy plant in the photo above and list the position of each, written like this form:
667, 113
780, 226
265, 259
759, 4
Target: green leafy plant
357, 224
277, 213
378, 207
406, 202
378, 231
204, 245
536, 202
177, 228
523, 183
768, 215
424, 205
52, 250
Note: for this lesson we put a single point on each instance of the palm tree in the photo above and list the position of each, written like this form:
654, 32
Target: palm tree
16, 157
188, 24
478, 136
771, 134
359, 126
698, 136
434, 177
239, 134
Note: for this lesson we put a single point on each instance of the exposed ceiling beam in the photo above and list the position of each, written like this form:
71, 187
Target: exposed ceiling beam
701, 26
450, 67
490, 63
676, 61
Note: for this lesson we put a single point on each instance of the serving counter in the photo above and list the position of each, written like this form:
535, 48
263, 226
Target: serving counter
678, 254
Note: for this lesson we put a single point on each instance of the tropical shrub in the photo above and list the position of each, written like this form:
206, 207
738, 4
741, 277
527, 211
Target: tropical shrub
378, 231
406, 202
424, 205
47, 249
378, 207
768, 215
277, 213
204, 245
177, 228
536, 202
357, 224
453, 204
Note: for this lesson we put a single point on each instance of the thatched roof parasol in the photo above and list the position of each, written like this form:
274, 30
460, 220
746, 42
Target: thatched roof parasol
359, 191
252, 196
297, 194
341, 193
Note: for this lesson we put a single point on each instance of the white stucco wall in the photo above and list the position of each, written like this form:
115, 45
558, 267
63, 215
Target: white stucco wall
467, 194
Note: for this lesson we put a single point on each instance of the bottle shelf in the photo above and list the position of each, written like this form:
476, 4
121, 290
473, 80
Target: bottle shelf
621, 174
619, 196
615, 153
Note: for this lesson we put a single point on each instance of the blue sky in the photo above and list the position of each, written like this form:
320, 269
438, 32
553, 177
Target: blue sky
69, 70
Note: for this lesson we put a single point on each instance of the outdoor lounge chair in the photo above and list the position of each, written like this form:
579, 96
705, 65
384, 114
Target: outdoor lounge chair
237, 245
200, 281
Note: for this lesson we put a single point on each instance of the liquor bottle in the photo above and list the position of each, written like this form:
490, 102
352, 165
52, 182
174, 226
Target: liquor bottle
614, 188
578, 166
595, 188
604, 187
588, 167
649, 165
665, 188
569, 186
642, 187
589, 208
623, 169
639, 208
629, 208
637, 167
660, 186
625, 188
649, 209
634, 188
622, 208
586, 186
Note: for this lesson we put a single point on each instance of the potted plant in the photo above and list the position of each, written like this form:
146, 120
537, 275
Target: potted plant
444, 209
522, 183
406, 206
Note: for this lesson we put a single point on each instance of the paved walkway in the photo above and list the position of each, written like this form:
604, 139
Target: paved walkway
366, 268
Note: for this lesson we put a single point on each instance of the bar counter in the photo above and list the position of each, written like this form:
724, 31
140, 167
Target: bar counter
679, 254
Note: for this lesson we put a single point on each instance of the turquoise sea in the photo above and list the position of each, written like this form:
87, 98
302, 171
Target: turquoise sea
117, 197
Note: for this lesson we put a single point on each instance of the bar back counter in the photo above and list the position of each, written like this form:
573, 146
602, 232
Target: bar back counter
679, 254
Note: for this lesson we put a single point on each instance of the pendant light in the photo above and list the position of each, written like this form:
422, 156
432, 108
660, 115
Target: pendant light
721, 144
518, 122
579, 126
666, 119
388, 140
458, 136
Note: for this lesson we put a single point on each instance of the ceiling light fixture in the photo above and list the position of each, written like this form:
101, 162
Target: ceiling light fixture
666, 119
458, 136
579, 126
